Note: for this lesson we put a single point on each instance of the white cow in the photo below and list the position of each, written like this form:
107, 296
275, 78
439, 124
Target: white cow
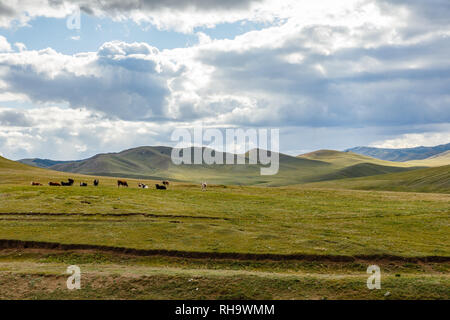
204, 185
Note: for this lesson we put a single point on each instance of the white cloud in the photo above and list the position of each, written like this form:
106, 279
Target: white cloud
411, 140
20, 46
4, 45
186, 15
66, 134
324, 64
124, 80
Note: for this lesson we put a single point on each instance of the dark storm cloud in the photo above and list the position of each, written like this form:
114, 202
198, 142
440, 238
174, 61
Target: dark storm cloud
394, 93
123, 94
122, 85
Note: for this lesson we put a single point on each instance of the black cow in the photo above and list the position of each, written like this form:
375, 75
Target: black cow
96, 182
69, 183
159, 187
83, 184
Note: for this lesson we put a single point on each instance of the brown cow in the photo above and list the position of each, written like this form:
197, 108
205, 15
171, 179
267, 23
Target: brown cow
54, 184
204, 185
122, 183
36, 183
166, 183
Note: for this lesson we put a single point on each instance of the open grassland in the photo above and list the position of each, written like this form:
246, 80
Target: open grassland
230, 219
230, 242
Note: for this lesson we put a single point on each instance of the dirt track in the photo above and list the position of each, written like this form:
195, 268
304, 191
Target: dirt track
131, 214
19, 244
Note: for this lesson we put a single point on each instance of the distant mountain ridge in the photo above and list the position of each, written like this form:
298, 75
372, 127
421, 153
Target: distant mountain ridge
403, 154
43, 163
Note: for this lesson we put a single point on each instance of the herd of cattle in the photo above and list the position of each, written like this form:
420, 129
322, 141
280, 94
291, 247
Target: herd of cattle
69, 183
123, 183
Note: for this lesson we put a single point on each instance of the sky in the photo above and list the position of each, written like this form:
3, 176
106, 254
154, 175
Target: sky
83, 77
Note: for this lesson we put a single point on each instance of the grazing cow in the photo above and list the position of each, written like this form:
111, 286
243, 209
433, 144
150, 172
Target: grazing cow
204, 185
36, 183
54, 184
158, 187
166, 183
96, 182
69, 183
122, 183
83, 184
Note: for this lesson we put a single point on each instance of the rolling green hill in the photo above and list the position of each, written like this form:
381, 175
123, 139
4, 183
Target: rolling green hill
362, 170
156, 163
436, 179
16, 173
9, 164
348, 158
438, 160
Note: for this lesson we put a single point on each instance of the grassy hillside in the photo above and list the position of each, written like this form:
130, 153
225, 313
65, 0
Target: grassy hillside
156, 163
15, 173
361, 170
344, 159
438, 160
435, 179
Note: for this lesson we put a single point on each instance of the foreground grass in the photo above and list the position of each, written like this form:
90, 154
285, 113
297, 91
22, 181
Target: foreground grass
33, 274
